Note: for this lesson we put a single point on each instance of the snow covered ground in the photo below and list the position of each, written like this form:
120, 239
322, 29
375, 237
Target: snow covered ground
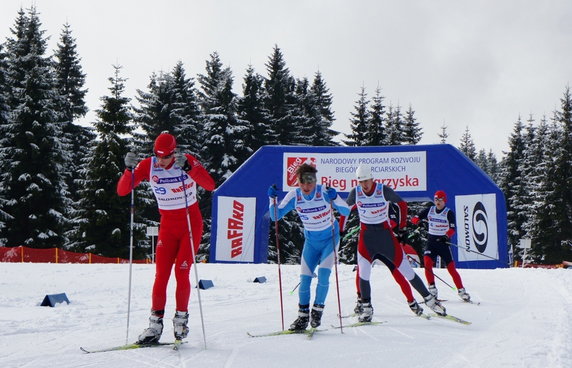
524, 320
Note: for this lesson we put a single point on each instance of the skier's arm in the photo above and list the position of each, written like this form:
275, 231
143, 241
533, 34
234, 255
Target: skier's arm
285, 206
199, 174
452, 224
141, 172
351, 203
421, 216
392, 196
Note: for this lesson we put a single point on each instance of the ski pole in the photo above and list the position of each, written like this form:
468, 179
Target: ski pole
278, 260
445, 282
295, 287
351, 232
336, 264
471, 251
130, 251
183, 173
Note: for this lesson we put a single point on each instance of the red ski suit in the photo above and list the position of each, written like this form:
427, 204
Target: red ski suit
173, 245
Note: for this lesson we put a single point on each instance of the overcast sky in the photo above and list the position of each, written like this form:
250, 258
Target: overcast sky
476, 64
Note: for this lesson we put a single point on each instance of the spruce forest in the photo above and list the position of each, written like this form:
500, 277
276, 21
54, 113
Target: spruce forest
58, 177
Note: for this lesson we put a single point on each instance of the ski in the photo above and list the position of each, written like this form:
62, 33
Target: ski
177, 344
348, 315
130, 347
423, 315
451, 318
470, 301
309, 332
359, 324
439, 300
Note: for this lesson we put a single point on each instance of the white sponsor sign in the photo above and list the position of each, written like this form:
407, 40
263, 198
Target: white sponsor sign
402, 171
235, 229
476, 217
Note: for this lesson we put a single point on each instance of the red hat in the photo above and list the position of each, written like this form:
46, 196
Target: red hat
165, 144
441, 194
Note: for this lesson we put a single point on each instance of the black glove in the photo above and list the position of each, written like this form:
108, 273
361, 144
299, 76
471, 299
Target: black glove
442, 239
130, 160
182, 162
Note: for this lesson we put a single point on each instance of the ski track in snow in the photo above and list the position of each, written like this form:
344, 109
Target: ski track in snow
524, 320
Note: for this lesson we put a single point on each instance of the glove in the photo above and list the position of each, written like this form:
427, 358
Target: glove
332, 194
443, 239
182, 162
130, 160
273, 191
402, 235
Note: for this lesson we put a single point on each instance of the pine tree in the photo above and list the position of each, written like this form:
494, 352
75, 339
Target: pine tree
251, 108
105, 226
411, 130
305, 115
359, 121
186, 112
323, 100
443, 135
467, 145
4, 111
70, 81
556, 224
395, 126
154, 114
375, 131
511, 183
32, 184
223, 145
280, 87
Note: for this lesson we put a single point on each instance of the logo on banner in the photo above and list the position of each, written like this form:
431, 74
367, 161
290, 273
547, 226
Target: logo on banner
480, 226
477, 220
292, 164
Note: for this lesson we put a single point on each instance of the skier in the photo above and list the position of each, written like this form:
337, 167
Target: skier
441, 227
313, 203
394, 219
167, 172
377, 241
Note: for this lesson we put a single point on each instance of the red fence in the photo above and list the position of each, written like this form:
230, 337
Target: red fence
56, 255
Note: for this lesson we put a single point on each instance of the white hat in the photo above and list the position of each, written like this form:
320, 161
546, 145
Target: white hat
363, 172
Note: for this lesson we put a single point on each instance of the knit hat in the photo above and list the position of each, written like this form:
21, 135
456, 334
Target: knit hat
165, 144
441, 195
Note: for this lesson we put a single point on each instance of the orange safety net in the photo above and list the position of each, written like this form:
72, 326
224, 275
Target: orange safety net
56, 255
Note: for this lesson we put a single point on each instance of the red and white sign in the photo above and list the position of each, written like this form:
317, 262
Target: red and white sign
235, 229
402, 171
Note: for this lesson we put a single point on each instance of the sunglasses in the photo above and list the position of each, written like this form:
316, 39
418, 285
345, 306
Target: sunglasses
307, 178
439, 199
165, 157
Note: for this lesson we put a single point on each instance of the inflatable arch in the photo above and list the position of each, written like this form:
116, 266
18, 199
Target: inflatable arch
240, 219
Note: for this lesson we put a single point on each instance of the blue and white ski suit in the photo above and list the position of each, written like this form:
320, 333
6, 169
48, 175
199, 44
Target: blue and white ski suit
315, 212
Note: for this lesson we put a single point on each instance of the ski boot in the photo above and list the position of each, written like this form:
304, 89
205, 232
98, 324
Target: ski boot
152, 334
433, 290
180, 325
358, 307
366, 313
415, 307
464, 295
316, 315
301, 323
435, 305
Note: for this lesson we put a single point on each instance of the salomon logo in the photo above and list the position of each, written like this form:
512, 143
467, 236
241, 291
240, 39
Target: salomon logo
480, 227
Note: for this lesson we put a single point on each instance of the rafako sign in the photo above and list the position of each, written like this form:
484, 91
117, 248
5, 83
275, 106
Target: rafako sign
476, 226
